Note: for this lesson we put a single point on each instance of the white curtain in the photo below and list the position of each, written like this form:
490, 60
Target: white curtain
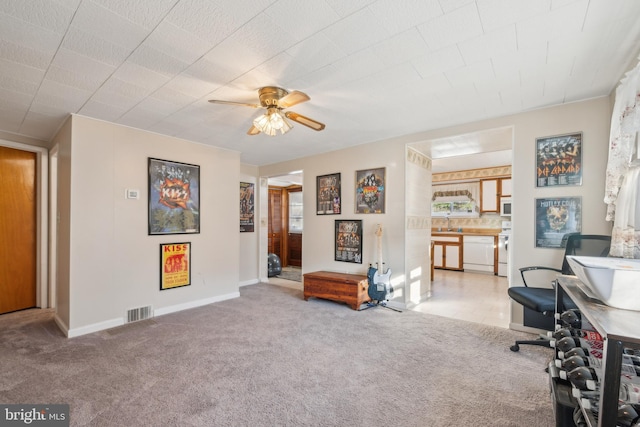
623, 172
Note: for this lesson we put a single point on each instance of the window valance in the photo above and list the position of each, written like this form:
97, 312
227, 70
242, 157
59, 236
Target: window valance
456, 192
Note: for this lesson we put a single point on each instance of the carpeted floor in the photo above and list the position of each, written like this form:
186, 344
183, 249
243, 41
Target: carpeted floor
270, 358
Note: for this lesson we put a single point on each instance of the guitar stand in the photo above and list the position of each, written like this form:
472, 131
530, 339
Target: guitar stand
379, 304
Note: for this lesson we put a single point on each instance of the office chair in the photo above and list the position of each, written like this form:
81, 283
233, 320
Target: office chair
539, 303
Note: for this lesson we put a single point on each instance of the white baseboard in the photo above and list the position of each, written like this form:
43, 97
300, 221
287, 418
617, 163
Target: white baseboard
249, 282
94, 327
112, 323
194, 304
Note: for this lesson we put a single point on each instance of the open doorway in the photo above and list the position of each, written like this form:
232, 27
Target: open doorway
285, 224
461, 161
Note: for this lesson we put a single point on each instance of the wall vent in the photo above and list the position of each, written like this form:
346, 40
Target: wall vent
140, 313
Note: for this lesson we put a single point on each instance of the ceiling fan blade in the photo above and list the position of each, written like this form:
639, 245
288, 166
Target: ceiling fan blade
244, 104
304, 120
253, 130
293, 98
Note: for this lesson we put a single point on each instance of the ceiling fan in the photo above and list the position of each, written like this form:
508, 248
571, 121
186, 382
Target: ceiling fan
275, 100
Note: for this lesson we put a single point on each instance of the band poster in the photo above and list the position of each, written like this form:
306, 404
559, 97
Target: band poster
370, 190
559, 160
328, 194
555, 219
175, 265
348, 245
247, 204
174, 197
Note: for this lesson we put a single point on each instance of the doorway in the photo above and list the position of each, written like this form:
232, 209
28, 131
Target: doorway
285, 222
457, 294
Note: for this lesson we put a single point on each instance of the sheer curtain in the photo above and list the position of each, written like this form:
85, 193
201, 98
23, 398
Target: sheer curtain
623, 169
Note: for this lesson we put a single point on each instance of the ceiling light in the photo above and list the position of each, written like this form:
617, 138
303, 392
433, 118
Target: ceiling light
271, 122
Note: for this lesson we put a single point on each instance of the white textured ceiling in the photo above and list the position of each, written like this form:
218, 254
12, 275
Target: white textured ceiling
374, 69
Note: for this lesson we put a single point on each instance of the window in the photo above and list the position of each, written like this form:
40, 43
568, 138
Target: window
455, 200
295, 212
454, 208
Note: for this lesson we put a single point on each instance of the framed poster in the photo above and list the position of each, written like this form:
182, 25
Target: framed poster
174, 197
559, 160
328, 201
175, 265
556, 217
370, 190
247, 191
348, 241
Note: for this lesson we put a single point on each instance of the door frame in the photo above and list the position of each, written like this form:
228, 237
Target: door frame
42, 218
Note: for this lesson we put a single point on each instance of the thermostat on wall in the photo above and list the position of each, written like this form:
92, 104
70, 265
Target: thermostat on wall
132, 194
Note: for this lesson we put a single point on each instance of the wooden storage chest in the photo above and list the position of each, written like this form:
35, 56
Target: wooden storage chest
351, 289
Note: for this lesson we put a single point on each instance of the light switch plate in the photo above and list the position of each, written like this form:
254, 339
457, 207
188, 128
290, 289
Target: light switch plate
132, 194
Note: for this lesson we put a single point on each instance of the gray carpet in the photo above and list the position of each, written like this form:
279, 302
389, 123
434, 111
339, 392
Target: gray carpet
269, 358
291, 273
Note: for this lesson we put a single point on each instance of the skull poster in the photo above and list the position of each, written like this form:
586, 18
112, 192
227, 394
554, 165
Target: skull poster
556, 218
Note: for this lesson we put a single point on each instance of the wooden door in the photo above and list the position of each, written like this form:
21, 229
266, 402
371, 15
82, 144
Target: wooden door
275, 222
18, 230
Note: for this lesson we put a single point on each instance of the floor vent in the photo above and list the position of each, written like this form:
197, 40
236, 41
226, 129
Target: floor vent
140, 313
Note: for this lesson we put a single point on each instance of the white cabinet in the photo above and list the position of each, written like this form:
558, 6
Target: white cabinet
479, 253
489, 195
491, 190
505, 187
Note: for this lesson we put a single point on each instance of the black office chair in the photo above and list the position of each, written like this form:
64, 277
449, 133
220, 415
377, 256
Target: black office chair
539, 303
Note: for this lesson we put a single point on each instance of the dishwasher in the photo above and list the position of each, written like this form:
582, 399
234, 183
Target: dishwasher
478, 253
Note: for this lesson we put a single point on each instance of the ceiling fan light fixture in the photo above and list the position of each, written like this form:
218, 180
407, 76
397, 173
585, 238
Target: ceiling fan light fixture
271, 122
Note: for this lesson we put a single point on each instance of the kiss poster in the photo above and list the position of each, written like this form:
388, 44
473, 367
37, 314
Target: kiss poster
174, 197
175, 265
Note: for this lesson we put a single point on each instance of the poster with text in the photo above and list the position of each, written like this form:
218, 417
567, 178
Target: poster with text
370, 191
559, 160
328, 194
247, 190
174, 197
348, 241
556, 218
175, 265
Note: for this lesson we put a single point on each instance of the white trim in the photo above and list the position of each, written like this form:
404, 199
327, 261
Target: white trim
95, 327
249, 282
108, 324
194, 304
42, 226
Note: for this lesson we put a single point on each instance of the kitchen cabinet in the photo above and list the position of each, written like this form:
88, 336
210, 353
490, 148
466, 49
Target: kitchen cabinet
447, 251
491, 190
505, 187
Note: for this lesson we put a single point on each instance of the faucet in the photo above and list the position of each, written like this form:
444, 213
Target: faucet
448, 224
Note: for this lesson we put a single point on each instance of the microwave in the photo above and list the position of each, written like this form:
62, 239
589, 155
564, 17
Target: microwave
505, 206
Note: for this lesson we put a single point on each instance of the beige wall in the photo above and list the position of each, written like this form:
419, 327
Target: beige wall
249, 241
318, 236
113, 264
591, 117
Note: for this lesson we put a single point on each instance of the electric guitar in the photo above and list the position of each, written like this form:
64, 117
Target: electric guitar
379, 283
